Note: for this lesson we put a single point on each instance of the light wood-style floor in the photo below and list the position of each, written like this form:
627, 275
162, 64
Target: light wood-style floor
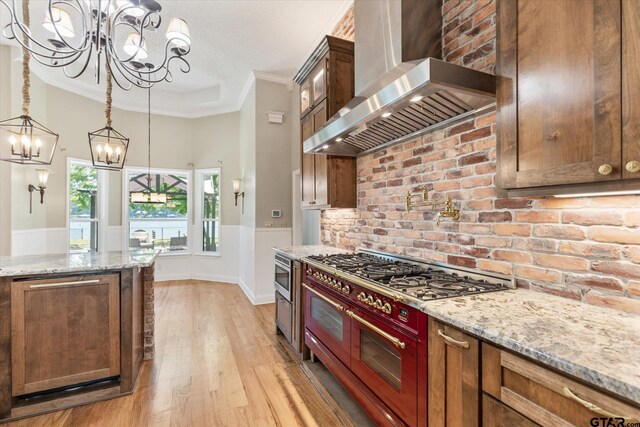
218, 363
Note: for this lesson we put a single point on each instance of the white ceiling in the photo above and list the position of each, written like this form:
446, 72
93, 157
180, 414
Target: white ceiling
232, 42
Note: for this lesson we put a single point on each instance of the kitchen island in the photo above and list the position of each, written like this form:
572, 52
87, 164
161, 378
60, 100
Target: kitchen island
74, 328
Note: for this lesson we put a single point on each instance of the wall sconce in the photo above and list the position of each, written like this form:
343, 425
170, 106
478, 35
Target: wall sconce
43, 177
236, 191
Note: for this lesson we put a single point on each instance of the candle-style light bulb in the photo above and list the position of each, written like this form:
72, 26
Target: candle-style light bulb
99, 151
38, 146
13, 141
26, 145
118, 152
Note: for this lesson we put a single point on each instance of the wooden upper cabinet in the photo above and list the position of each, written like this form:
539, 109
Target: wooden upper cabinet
631, 88
453, 377
64, 332
326, 85
562, 116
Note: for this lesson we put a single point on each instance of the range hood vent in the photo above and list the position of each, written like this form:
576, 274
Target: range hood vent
398, 47
433, 94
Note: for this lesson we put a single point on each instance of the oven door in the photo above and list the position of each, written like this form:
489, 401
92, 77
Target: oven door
385, 359
282, 280
326, 318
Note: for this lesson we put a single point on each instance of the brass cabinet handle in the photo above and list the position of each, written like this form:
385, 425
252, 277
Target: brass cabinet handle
594, 408
397, 342
319, 295
55, 285
449, 340
633, 166
605, 169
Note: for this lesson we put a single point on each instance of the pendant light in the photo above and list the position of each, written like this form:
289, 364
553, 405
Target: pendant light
29, 142
108, 146
147, 196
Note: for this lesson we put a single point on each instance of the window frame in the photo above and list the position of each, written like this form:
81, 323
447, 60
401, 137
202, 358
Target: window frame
102, 200
126, 172
199, 209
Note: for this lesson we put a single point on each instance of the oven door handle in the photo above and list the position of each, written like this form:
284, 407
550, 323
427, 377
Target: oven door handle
396, 341
328, 300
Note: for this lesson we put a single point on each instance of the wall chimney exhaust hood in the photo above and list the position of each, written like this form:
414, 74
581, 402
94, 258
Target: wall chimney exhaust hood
400, 94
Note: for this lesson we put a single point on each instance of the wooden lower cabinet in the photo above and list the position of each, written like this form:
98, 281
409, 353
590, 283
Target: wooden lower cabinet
453, 377
544, 396
64, 332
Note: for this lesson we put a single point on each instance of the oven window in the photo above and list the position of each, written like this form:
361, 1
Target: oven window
382, 357
282, 277
326, 317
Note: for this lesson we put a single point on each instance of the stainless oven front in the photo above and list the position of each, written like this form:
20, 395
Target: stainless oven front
283, 276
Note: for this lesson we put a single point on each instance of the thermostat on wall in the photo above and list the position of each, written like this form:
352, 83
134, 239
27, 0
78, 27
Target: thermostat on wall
277, 213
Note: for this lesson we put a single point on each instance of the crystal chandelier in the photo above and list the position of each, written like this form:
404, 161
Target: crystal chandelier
112, 32
30, 142
108, 146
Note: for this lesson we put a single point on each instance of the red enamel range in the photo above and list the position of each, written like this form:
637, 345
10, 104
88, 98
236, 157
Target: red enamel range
363, 321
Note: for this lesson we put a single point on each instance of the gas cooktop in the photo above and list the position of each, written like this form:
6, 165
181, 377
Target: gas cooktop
423, 282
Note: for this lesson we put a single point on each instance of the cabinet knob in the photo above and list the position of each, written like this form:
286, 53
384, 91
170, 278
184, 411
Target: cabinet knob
605, 169
633, 166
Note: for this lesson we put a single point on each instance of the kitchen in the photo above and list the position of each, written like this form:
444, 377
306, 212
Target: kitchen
452, 219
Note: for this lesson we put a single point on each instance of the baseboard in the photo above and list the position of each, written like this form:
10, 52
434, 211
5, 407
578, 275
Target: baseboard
264, 299
215, 278
170, 277
246, 290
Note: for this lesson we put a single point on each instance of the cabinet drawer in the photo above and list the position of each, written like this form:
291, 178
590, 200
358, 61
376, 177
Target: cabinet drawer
496, 414
284, 319
545, 396
64, 331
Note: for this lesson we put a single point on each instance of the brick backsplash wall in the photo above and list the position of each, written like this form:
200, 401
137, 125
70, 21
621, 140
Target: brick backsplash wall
581, 248
345, 29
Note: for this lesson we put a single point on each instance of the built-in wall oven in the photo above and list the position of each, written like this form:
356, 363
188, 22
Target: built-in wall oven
283, 277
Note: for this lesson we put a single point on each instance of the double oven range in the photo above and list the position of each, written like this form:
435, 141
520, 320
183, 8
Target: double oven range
363, 320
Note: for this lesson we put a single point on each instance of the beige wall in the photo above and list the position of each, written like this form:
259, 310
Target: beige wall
273, 154
247, 149
242, 144
5, 169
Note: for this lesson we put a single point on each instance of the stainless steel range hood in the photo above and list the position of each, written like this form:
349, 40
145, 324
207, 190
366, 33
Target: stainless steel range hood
398, 96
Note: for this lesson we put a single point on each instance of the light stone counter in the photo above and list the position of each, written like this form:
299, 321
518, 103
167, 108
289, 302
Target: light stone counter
299, 252
32, 265
598, 345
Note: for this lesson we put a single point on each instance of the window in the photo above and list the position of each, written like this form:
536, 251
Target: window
162, 224
209, 194
83, 207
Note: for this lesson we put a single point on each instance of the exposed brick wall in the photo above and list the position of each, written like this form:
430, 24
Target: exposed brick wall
149, 314
345, 29
582, 248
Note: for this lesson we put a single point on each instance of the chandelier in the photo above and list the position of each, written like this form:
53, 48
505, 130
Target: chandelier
30, 142
113, 32
108, 146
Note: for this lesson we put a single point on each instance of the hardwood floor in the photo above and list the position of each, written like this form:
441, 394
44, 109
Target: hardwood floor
218, 363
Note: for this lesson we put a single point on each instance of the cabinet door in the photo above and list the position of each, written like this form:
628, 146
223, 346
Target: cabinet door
64, 332
318, 80
559, 92
631, 89
321, 167
308, 167
453, 377
305, 97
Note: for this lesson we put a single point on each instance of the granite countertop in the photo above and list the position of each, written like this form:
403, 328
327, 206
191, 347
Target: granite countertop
31, 265
299, 252
598, 345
